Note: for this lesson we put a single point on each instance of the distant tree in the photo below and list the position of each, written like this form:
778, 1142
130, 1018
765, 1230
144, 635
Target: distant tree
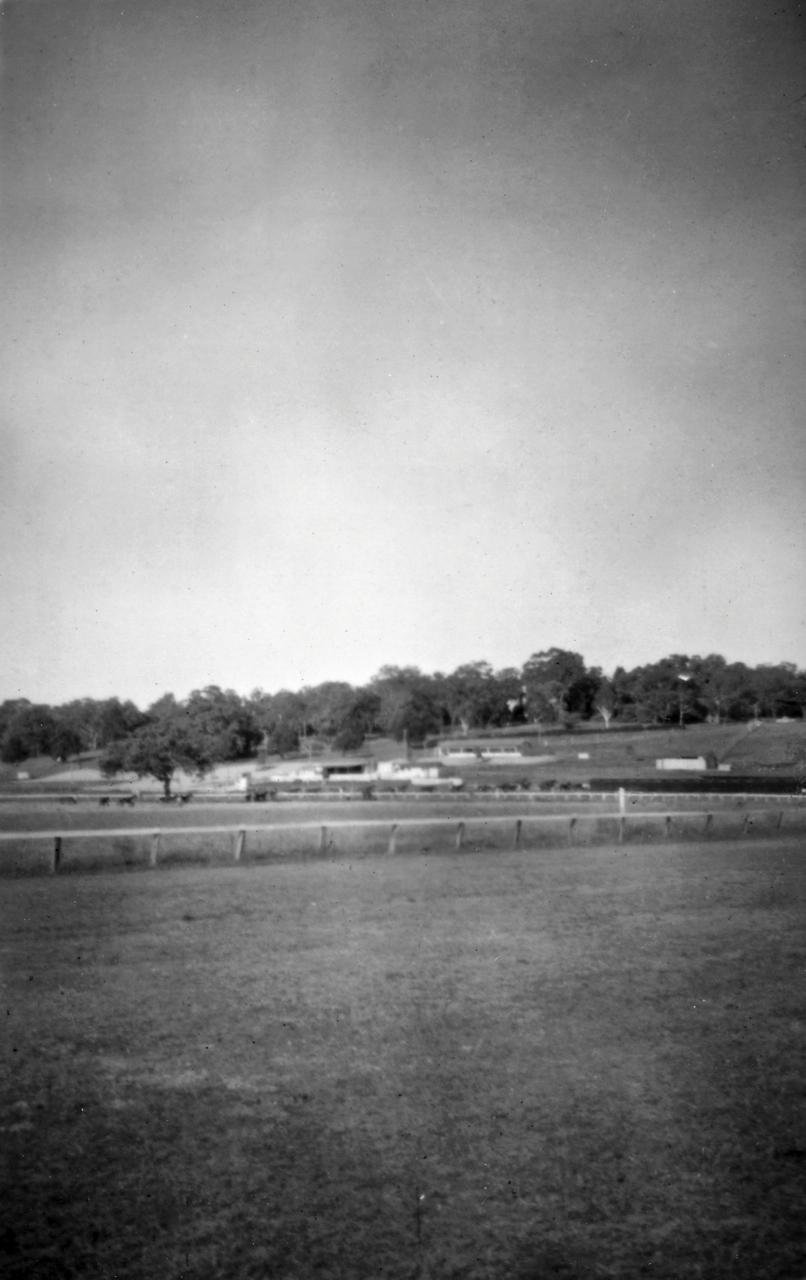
712, 679
666, 692
281, 718
605, 701
76, 723
741, 697
582, 693
115, 719
9, 710
779, 690
349, 738
623, 688
360, 717
67, 739
327, 706
283, 740
29, 731
226, 719
169, 741
549, 679
340, 712
61, 731
509, 683
472, 696
394, 688
401, 676
415, 716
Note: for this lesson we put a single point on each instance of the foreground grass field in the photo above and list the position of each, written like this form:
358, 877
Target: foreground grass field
581, 1063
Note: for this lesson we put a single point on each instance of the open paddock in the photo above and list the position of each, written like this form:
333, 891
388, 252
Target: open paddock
579, 1065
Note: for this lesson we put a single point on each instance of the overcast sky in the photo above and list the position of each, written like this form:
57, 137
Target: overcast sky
347, 332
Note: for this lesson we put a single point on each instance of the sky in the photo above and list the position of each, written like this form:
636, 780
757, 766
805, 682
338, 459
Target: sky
344, 333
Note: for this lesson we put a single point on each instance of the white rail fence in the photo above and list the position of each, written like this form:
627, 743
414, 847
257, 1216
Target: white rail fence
492, 831
418, 799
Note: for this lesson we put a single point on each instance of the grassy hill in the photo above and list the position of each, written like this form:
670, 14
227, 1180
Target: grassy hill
579, 756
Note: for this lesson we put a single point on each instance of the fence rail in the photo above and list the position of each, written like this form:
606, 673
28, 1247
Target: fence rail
353, 794
458, 832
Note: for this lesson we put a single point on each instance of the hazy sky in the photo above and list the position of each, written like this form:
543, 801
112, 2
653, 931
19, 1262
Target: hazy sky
348, 332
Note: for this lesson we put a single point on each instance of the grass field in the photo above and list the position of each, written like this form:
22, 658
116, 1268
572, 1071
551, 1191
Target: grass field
569, 1064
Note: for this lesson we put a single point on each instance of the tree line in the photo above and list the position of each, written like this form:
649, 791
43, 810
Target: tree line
554, 689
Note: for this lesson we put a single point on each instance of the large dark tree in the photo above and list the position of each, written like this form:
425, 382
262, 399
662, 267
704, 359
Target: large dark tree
550, 679
779, 690
359, 718
227, 721
77, 726
328, 706
281, 719
711, 681
510, 688
116, 719
408, 703
171, 740
29, 731
415, 716
474, 697
66, 739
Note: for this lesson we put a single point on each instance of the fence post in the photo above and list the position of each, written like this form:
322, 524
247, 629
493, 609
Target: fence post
622, 800
392, 839
517, 840
240, 843
572, 822
746, 824
460, 835
668, 826
779, 823
709, 818
155, 849
57, 854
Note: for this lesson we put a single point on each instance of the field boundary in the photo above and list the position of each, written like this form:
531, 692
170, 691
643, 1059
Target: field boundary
553, 830
353, 796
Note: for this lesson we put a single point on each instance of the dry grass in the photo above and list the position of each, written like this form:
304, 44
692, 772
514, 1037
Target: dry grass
557, 1064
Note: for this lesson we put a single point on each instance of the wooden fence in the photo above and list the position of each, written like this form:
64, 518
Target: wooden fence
419, 799
509, 832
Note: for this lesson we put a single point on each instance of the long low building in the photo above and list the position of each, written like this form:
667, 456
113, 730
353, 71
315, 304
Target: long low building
691, 764
487, 750
350, 769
